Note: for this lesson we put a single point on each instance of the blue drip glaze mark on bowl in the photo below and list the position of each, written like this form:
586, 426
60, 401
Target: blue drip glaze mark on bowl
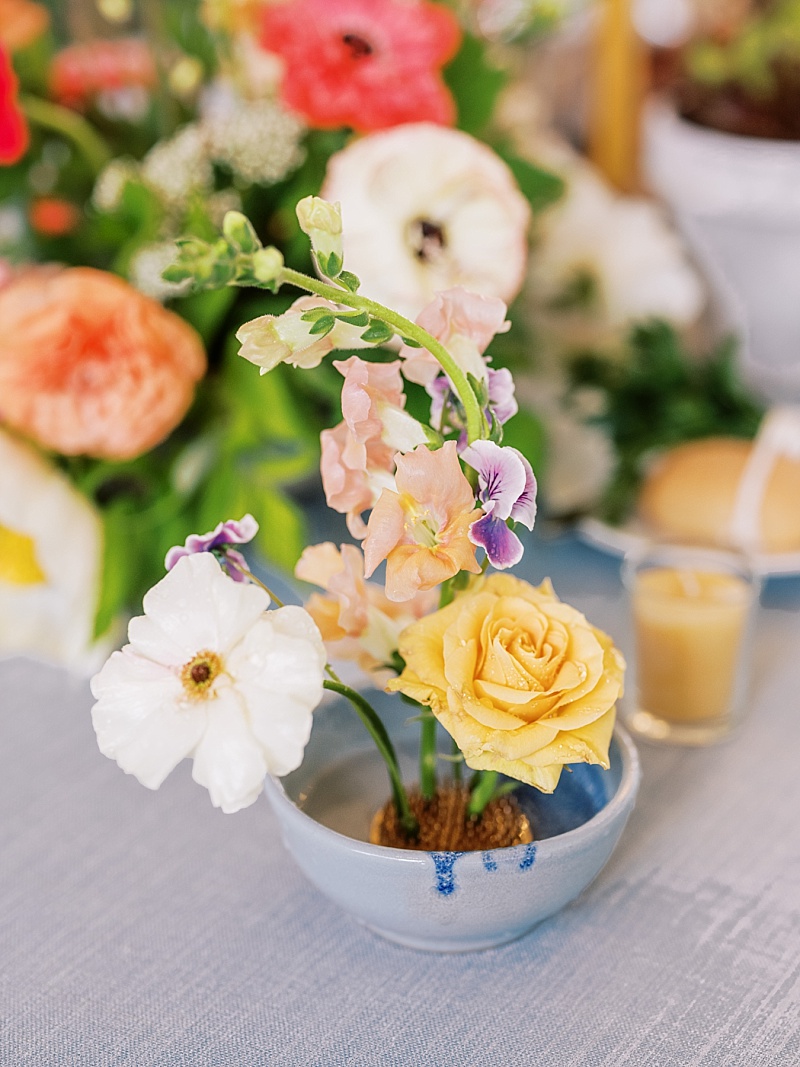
529, 858
489, 862
444, 863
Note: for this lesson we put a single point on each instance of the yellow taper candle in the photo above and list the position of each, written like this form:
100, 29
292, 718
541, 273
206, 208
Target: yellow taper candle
689, 626
618, 88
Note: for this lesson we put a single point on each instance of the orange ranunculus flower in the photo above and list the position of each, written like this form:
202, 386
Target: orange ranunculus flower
21, 23
522, 682
88, 365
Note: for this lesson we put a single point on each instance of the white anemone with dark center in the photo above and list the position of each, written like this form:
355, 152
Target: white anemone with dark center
426, 208
212, 674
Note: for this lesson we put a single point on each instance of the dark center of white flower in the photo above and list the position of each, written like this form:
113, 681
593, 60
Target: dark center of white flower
359, 48
428, 240
199, 673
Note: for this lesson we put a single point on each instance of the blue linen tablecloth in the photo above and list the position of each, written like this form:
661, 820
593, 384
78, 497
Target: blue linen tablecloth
145, 928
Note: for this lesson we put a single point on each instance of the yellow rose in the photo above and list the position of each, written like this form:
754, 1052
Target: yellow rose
522, 682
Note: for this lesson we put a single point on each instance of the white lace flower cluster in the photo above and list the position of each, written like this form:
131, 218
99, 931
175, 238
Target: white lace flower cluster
257, 140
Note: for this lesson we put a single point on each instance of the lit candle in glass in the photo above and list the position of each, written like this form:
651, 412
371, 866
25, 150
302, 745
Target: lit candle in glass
691, 617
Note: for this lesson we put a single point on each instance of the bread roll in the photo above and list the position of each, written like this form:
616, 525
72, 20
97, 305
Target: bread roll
690, 493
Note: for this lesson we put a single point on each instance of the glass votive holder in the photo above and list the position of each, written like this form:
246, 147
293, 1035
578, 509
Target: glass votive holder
693, 613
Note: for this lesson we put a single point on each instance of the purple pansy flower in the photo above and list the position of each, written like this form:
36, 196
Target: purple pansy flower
218, 542
506, 490
447, 413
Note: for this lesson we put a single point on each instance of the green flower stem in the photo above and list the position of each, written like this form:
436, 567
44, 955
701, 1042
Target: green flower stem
482, 792
257, 581
378, 733
427, 757
71, 126
475, 419
458, 760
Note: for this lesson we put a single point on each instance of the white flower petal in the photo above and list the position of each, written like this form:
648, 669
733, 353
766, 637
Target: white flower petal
228, 760
140, 720
278, 669
195, 607
464, 188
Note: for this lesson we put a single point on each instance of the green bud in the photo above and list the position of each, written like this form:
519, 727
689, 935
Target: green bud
267, 264
323, 224
239, 231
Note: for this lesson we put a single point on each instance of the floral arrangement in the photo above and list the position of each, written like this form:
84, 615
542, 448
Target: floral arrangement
122, 389
220, 670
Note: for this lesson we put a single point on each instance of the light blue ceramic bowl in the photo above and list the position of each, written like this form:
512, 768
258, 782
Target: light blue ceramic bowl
444, 901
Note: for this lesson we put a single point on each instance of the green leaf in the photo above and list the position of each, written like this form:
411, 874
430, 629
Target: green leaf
331, 266
118, 573
525, 432
176, 273
411, 342
207, 311
282, 534
348, 280
314, 314
323, 326
540, 187
353, 318
378, 333
475, 85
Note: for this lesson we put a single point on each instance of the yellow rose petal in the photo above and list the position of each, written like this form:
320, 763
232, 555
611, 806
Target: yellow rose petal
587, 745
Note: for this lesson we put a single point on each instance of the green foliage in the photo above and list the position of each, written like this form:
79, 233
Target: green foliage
526, 433
207, 312
661, 397
770, 37
377, 333
475, 84
349, 280
540, 187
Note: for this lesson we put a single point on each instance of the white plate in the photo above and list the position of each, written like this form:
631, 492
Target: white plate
618, 540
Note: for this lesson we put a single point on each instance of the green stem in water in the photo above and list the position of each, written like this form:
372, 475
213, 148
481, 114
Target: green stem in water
458, 759
406, 328
378, 733
482, 792
427, 757
72, 126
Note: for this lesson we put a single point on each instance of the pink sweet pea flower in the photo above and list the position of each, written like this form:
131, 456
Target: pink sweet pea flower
287, 338
356, 620
465, 323
422, 529
354, 474
358, 454
368, 64
373, 403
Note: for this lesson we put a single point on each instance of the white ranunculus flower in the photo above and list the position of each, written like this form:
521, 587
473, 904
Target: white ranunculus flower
210, 673
605, 261
427, 208
51, 542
